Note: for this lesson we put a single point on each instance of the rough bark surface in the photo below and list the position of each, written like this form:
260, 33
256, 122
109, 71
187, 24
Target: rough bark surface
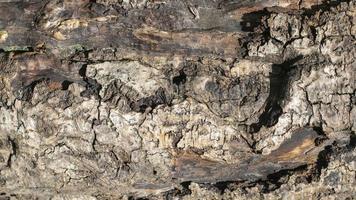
177, 99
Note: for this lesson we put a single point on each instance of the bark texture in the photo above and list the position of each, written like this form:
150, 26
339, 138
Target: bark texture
177, 99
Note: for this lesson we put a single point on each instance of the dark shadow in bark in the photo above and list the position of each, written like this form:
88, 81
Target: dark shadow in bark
250, 21
279, 82
92, 88
25, 93
159, 98
66, 84
325, 6
352, 143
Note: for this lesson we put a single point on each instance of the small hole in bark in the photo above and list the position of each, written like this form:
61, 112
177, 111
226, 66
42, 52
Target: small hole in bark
321, 133
313, 32
322, 162
222, 186
180, 79
83, 71
185, 186
143, 108
66, 84
252, 20
352, 143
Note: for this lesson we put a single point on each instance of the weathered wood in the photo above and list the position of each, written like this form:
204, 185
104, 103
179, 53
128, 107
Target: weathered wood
126, 99
175, 27
299, 150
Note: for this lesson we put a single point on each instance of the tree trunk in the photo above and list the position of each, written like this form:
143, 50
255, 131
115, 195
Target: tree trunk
177, 99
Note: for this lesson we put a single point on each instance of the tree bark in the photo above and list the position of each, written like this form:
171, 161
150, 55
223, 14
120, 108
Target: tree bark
177, 99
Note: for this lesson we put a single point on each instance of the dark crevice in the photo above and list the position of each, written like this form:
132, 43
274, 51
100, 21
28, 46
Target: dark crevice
66, 84
352, 143
185, 188
188, 70
83, 71
250, 21
219, 187
276, 180
279, 82
222, 186
92, 88
25, 93
325, 6
321, 133
324, 157
137, 198
321, 163
313, 32
176, 139
180, 79
159, 98
14, 151
178, 192
171, 194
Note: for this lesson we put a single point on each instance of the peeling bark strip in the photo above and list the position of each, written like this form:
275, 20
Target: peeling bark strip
58, 25
172, 30
34, 66
301, 149
177, 99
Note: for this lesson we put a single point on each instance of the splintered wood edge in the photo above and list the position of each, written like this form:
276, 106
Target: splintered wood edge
298, 150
